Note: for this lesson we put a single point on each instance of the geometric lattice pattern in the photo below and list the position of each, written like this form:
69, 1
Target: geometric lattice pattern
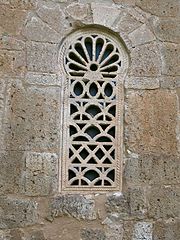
93, 114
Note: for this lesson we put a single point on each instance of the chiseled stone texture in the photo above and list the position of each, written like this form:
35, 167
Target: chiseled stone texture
166, 230
32, 118
40, 176
106, 17
78, 11
95, 234
151, 122
166, 29
17, 212
20, 4
36, 235
170, 58
37, 30
141, 35
11, 20
127, 205
152, 170
11, 163
164, 202
142, 231
46, 79
11, 43
42, 57
145, 60
76, 206
141, 83
12, 63
53, 15
164, 8
13, 234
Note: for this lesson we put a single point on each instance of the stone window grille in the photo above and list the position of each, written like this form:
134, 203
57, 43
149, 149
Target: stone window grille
93, 64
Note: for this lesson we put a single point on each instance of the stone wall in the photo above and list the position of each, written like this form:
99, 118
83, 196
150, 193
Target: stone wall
30, 206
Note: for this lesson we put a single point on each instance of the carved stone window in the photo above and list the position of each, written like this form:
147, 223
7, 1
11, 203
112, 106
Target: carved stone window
93, 64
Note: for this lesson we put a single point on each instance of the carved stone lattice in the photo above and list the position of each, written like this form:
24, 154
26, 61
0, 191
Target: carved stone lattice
94, 65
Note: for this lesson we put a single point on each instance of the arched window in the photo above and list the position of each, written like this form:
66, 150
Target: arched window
93, 65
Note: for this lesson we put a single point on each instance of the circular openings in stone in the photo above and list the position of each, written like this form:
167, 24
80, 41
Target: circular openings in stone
94, 53
93, 90
108, 90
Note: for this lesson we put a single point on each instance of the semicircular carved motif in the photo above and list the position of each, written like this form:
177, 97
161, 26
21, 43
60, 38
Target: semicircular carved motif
94, 64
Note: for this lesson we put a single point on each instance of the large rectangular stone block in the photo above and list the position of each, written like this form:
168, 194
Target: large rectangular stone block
170, 58
40, 176
42, 57
151, 120
17, 212
32, 118
11, 167
145, 60
164, 202
76, 206
152, 170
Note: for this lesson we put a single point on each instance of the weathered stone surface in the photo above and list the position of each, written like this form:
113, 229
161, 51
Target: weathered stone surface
166, 230
32, 118
106, 16
45, 79
53, 15
36, 30
166, 8
130, 204
170, 58
11, 43
167, 29
12, 63
114, 230
40, 176
141, 35
20, 4
2, 106
36, 235
152, 170
76, 206
145, 60
42, 57
96, 234
11, 21
164, 202
125, 2
170, 82
141, 83
142, 231
13, 234
77, 11
17, 212
10, 171
151, 125
126, 22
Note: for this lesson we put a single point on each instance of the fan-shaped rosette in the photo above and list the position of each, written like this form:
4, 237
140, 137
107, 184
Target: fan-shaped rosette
93, 53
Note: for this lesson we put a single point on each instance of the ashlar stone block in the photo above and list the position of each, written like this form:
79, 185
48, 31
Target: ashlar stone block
166, 29
32, 118
76, 206
164, 8
164, 202
40, 176
17, 212
141, 35
151, 122
11, 163
53, 15
142, 231
78, 11
37, 30
166, 230
170, 58
96, 234
145, 60
42, 57
106, 16
11, 20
